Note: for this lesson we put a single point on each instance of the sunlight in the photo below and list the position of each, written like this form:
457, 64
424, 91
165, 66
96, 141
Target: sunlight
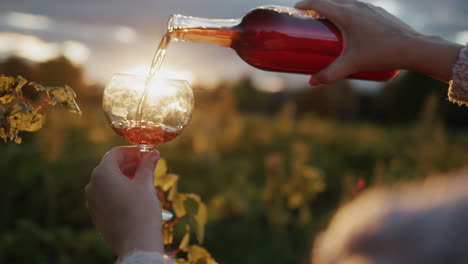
37, 50
76, 52
125, 34
269, 84
167, 73
462, 37
27, 21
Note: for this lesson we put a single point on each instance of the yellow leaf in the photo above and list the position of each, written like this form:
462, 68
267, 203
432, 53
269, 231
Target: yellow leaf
166, 181
197, 254
17, 114
201, 218
296, 200
9, 88
6, 83
66, 97
160, 170
168, 235
20, 82
186, 239
178, 205
30, 121
181, 261
172, 193
7, 98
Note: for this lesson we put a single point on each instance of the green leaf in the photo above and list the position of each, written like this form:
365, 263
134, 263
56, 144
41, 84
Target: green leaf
191, 205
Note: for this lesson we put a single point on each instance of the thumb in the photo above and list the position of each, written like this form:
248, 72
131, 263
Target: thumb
326, 8
145, 170
337, 70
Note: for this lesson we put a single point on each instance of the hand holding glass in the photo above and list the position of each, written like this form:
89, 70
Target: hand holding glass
147, 112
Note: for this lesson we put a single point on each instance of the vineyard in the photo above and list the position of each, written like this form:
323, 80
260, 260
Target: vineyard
271, 176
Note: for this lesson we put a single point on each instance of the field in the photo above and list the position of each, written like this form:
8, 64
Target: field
272, 172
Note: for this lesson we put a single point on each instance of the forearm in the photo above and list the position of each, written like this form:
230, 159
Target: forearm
433, 56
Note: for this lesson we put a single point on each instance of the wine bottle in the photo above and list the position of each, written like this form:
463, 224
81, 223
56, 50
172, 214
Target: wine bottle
273, 38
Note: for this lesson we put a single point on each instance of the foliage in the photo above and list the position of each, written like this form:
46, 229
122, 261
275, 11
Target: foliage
18, 114
190, 214
247, 167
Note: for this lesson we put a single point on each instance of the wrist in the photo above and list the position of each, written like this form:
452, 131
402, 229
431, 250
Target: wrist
150, 241
139, 246
432, 55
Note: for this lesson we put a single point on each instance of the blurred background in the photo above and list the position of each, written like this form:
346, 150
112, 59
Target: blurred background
272, 157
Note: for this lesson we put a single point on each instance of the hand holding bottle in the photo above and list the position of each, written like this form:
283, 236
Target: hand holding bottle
274, 38
126, 211
375, 40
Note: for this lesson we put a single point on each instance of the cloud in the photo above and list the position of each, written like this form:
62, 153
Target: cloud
46, 26
35, 49
27, 21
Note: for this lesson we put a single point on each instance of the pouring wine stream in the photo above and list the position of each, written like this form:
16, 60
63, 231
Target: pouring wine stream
158, 59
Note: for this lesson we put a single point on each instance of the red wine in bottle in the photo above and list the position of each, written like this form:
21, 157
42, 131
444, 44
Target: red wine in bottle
274, 38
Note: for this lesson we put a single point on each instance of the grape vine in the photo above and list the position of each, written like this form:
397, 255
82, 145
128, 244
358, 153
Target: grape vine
189, 221
19, 114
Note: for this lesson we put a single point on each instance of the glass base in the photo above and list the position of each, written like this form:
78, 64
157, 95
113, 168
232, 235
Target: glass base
166, 215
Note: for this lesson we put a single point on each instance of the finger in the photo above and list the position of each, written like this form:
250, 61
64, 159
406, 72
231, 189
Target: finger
339, 69
325, 8
119, 161
122, 154
145, 170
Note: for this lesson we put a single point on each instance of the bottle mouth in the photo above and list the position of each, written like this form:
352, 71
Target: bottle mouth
173, 22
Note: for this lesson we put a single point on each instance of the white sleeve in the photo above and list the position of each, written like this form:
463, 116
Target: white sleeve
145, 257
458, 91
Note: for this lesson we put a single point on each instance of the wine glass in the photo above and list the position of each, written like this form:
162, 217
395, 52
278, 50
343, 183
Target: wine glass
147, 111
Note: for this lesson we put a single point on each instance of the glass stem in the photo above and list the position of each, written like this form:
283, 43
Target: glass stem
145, 148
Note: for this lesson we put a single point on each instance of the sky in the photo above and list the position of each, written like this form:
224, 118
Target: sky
108, 36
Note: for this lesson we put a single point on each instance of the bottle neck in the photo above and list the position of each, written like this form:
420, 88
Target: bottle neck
219, 32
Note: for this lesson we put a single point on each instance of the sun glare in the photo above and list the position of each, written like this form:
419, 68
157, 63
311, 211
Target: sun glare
125, 34
36, 50
269, 84
75, 51
167, 73
462, 37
